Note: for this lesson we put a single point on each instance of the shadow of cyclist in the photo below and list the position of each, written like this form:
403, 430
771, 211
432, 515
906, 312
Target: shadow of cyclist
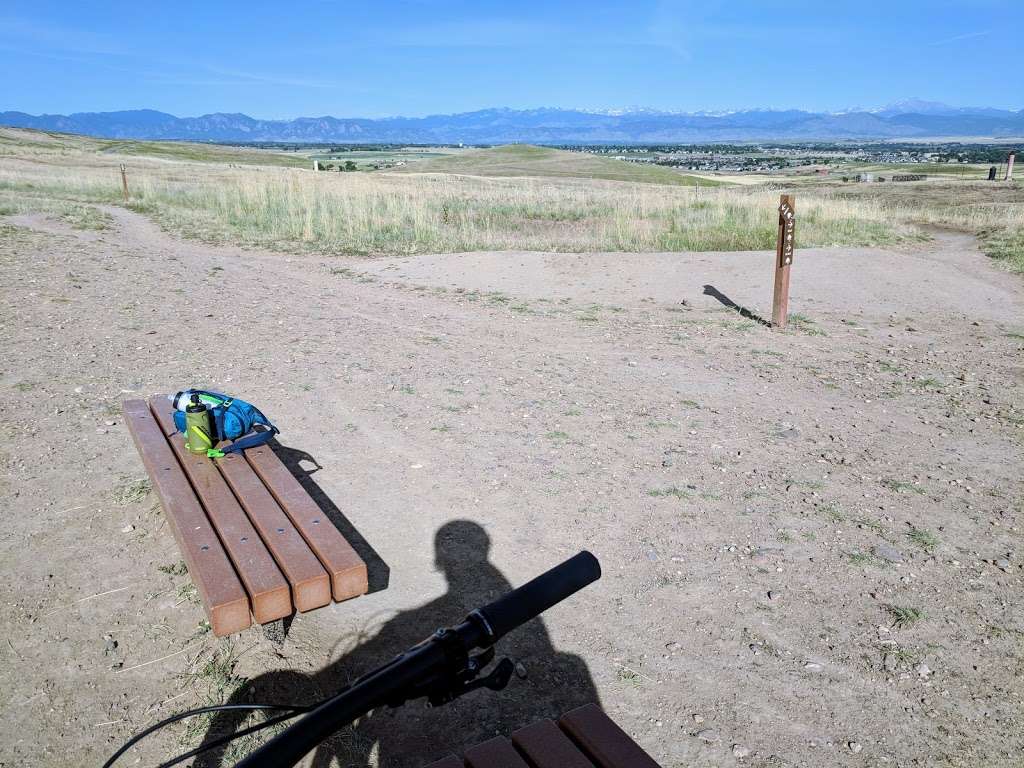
414, 735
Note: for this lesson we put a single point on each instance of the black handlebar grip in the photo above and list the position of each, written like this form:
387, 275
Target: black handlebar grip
533, 598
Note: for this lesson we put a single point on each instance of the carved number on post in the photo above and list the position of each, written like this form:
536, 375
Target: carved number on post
787, 219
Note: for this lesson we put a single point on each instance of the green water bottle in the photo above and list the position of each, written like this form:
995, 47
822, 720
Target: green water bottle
198, 434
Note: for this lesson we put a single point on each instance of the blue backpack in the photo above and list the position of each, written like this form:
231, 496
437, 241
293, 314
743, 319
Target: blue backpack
230, 417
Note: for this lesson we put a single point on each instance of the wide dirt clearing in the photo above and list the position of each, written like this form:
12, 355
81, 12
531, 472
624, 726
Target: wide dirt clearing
811, 540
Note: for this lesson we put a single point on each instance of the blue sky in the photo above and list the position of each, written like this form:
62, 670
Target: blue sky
280, 60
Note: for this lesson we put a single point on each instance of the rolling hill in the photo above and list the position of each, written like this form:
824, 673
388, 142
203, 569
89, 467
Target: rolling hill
528, 160
17, 139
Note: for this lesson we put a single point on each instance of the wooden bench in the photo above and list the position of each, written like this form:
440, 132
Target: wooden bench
255, 543
581, 738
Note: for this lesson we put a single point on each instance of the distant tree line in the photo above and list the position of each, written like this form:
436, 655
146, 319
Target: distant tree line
348, 165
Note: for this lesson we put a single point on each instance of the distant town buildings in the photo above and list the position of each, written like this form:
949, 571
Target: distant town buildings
811, 157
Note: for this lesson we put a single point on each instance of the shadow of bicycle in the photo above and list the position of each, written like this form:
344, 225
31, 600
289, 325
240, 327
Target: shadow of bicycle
549, 682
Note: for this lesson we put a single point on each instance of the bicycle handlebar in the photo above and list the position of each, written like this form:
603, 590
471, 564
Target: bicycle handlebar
533, 598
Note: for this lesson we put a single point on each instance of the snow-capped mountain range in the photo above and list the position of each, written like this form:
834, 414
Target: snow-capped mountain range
907, 120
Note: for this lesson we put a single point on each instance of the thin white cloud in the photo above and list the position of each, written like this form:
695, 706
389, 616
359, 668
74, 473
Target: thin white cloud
958, 38
61, 38
271, 79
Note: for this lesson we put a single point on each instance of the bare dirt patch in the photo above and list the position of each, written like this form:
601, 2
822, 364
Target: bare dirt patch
811, 540
868, 283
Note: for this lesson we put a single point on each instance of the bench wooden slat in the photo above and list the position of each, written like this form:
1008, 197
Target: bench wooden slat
545, 746
311, 586
223, 597
447, 762
607, 745
267, 587
494, 753
346, 567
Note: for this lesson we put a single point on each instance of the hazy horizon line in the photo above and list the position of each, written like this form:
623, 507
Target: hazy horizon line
608, 111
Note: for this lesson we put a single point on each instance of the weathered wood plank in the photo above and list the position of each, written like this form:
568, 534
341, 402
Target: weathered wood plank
346, 567
607, 745
447, 762
311, 586
494, 753
544, 745
222, 594
267, 587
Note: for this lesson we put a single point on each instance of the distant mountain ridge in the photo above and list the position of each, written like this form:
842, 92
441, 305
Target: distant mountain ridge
907, 120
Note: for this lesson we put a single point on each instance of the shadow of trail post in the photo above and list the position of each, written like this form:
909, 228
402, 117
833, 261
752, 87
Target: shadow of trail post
710, 290
414, 735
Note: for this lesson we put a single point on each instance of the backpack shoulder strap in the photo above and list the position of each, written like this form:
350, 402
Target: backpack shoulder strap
256, 438
251, 440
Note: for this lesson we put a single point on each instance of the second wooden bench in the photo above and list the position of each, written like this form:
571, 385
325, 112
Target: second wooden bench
584, 737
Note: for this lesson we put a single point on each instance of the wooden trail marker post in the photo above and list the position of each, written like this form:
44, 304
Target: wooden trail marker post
783, 260
124, 182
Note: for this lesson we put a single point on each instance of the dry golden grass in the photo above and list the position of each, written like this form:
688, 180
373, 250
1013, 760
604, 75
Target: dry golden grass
356, 213
393, 213
994, 211
396, 213
513, 160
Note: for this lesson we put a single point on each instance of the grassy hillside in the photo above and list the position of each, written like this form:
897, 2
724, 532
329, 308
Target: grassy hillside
528, 160
16, 141
191, 152
508, 198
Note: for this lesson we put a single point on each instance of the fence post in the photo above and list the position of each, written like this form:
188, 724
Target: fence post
124, 182
783, 260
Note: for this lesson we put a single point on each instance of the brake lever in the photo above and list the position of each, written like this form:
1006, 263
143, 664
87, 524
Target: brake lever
496, 680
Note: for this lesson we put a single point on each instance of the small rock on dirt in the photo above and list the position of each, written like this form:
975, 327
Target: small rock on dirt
520, 670
1002, 564
813, 666
889, 553
854, 746
739, 751
698, 718
710, 735
789, 434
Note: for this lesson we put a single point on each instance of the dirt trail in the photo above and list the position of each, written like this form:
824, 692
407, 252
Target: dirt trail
856, 282
761, 502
